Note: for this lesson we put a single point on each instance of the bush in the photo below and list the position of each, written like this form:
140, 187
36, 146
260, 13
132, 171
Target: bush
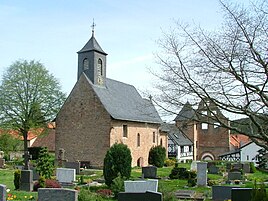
118, 185
49, 183
252, 167
117, 162
157, 156
44, 165
17, 176
85, 195
170, 162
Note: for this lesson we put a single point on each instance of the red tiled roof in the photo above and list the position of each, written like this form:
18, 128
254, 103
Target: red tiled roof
46, 140
238, 140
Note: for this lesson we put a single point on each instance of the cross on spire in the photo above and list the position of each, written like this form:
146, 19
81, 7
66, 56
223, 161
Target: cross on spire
93, 27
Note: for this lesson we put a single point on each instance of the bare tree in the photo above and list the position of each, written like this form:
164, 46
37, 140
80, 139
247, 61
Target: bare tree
228, 67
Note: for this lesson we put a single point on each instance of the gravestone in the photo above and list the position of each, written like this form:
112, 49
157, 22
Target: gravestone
141, 186
149, 172
201, 174
211, 163
221, 193
35, 174
57, 194
2, 163
26, 180
194, 166
65, 175
228, 167
3, 192
239, 194
237, 166
72, 165
234, 176
246, 168
213, 170
139, 196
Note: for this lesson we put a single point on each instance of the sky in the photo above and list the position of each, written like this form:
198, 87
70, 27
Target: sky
52, 31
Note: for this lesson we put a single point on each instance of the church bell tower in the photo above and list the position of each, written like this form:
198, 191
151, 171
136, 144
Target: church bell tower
92, 61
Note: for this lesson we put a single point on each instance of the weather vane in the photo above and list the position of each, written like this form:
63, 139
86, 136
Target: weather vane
93, 27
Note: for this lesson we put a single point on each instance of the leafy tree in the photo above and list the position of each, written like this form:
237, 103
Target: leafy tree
9, 143
44, 164
157, 156
117, 162
30, 97
227, 67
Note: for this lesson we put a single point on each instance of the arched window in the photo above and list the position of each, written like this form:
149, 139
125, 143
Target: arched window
153, 137
85, 64
100, 67
138, 140
161, 142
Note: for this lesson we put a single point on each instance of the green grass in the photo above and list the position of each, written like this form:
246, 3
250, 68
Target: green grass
166, 186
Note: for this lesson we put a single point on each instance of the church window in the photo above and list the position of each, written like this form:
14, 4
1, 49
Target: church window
161, 142
138, 140
204, 126
125, 130
153, 137
100, 67
85, 64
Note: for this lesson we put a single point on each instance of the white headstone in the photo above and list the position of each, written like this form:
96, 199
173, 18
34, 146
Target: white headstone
194, 165
141, 186
65, 175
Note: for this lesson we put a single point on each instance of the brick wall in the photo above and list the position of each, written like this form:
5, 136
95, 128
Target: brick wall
145, 130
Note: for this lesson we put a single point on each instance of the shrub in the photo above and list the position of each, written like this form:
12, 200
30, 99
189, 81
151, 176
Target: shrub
17, 176
157, 156
49, 183
42, 182
252, 167
85, 195
212, 182
117, 185
104, 192
170, 162
44, 165
117, 162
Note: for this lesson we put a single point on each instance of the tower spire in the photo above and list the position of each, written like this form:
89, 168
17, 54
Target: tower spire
93, 27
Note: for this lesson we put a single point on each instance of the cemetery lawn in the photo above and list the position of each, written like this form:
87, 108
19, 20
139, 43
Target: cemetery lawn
6, 178
166, 186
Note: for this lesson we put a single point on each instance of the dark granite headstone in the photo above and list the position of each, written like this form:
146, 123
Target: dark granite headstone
237, 166
3, 192
213, 170
149, 172
57, 194
239, 194
228, 167
147, 196
246, 168
234, 176
73, 165
35, 174
211, 163
26, 181
221, 193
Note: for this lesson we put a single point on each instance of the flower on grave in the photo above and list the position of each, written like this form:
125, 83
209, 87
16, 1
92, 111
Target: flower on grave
8, 190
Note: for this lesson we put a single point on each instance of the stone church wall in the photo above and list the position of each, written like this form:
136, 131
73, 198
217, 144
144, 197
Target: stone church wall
83, 126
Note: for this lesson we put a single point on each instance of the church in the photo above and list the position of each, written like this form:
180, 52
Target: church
100, 112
